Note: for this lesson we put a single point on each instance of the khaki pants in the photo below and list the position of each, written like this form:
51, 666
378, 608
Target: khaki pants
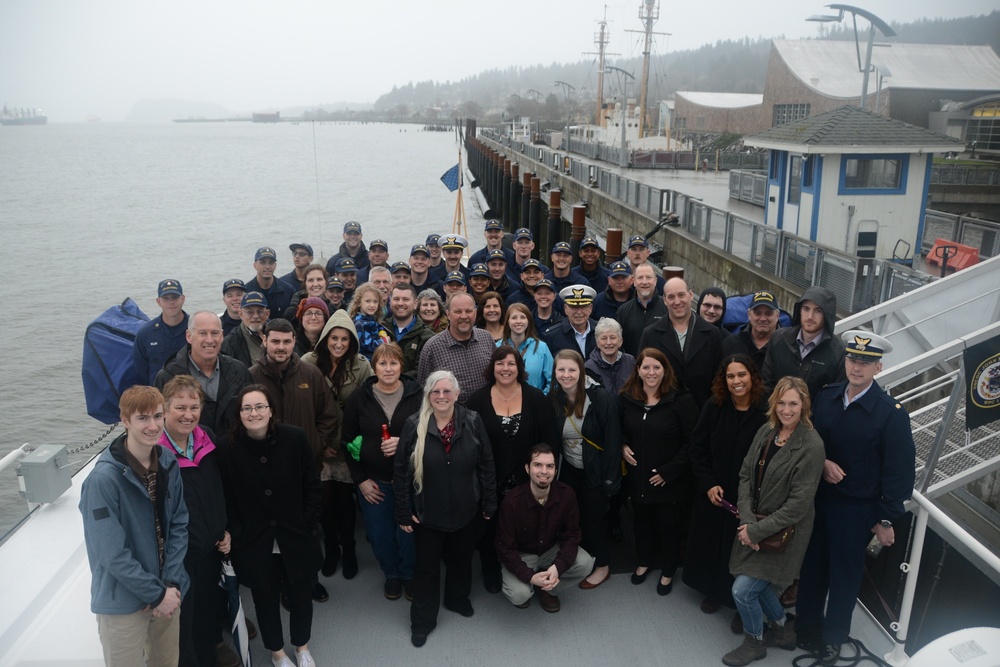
131, 640
519, 592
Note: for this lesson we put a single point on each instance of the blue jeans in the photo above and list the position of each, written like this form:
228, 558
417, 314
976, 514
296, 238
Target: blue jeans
393, 547
756, 598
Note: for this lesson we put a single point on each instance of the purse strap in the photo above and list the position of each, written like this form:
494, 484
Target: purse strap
582, 436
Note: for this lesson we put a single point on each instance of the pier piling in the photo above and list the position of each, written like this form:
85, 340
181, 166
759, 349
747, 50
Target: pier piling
534, 218
552, 231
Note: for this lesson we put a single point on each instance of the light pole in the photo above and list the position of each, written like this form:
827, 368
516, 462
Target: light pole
566, 89
623, 154
874, 22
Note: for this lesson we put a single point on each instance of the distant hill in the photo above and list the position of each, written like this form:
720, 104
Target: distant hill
157, 110
734, 66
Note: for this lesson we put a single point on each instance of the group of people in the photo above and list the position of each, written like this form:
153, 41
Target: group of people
507, 409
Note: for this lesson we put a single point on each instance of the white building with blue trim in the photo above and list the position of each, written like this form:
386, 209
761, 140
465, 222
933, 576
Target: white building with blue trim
851, 180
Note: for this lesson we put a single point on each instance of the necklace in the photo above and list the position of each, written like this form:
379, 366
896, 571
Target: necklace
779, 441
506, 399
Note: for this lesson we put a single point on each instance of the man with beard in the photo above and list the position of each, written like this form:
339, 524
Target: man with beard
461, 348
301, 396
220, 377
692, 346
246, 342
410, 331
538, 536
576, 332
641, 311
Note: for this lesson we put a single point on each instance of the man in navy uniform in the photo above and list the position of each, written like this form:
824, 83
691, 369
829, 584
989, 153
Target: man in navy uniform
576, 332
868, 474
493, 231
277, 292
160, 338
590, 267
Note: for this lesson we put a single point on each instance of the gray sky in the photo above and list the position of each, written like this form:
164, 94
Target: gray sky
78, 57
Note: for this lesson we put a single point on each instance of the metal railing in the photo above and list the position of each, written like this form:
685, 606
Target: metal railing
962, 174
858, 283
981, 234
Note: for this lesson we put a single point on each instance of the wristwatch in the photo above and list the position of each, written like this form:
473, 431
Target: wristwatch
885, 523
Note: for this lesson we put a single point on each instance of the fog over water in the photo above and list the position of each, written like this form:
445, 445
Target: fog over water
98, 57
92, 214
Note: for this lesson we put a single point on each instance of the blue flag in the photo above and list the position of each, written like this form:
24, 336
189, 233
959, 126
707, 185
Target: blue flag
450, 178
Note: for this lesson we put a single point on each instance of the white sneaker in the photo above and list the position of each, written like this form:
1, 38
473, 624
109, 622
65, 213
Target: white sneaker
305, 659
282, 662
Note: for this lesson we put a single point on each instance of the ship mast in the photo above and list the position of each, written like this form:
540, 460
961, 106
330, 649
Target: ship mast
601, 41
649, 13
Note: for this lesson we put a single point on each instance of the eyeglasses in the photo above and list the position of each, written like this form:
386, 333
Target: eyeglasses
313, 313
441, 392
709, 306
300, 253
250, 409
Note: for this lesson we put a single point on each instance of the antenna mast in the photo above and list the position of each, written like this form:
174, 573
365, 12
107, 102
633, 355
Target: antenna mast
601, 40
649, 13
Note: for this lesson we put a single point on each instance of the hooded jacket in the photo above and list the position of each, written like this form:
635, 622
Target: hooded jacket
119, 529
715, 291
823, 365
217, 415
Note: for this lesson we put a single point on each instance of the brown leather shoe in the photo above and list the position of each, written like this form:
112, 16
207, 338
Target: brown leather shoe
226, 657
709, 606
549, 602
587, 586
790, 595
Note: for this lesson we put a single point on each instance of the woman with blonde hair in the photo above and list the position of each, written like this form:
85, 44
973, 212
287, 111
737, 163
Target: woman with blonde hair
778, 483
444, 481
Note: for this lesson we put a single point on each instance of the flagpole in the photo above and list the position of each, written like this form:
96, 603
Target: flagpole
459, 220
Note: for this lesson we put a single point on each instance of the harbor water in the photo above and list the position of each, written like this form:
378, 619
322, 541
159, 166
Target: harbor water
93, 213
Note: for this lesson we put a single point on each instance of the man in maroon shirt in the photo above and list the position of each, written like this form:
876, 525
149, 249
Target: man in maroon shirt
538, 536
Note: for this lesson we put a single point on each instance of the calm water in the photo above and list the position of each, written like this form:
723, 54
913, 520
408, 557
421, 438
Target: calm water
91, 214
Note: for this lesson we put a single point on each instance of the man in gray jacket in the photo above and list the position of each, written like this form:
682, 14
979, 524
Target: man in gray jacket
135, 528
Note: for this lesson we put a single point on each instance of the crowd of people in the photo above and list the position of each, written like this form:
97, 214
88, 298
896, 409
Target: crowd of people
505, 408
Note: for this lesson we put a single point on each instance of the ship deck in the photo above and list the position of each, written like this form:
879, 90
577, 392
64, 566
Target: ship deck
46, 620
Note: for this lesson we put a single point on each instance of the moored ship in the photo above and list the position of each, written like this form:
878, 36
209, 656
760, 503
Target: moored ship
17, 116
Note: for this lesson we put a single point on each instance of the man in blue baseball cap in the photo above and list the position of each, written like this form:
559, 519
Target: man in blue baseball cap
563, 274
232, 293
619, 291
595, 273
161, 337
493, 231
352, 247
302, 257
278, 293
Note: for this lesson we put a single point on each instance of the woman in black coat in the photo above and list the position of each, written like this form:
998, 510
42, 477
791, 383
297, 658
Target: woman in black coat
273, 499
721, 439
590, 446
517, 417
657, 421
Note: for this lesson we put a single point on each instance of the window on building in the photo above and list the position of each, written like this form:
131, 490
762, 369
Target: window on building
808, 167
681, 123
878, 174
984, 127
794, 179
699, 121
786, 113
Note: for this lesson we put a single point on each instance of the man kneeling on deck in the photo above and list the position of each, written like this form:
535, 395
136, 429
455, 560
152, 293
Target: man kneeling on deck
538, 536
135, 524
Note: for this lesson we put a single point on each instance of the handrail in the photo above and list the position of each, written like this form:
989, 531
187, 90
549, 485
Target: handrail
923, 510
15, 456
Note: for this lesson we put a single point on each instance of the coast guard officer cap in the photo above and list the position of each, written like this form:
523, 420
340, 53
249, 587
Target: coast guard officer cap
352, 227
265, 253
531, 264
399, 266
346, 265
763, 298
479, 270
379, 243
432, 239
253, 299
169, 287
523, 233
453, 241
233, 283
454, 277
577, 295
865, 345
496, 254
638, 239
620, 269
335, 283
589, 241
562, 246
302, 246
494, 224
546, 283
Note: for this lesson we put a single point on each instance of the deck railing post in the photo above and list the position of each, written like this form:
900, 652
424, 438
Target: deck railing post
912, 569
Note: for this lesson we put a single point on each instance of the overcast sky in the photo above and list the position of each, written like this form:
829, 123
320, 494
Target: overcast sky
73, 58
